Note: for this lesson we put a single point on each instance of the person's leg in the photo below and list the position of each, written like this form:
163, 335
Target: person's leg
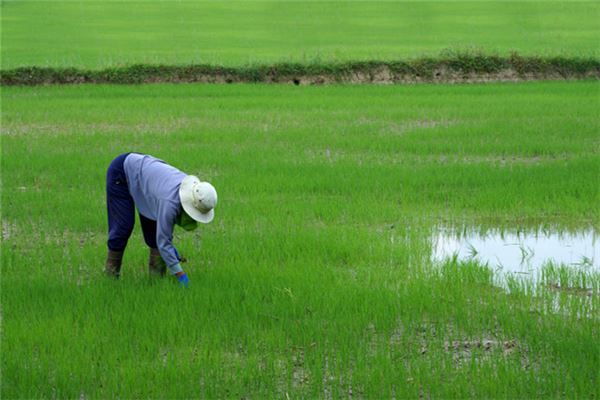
149, 231
121, 214
156, 265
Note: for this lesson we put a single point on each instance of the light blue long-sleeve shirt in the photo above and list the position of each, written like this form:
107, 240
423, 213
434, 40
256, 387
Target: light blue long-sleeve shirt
154, 186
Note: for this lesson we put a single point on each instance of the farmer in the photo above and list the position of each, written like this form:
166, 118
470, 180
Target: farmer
164, 197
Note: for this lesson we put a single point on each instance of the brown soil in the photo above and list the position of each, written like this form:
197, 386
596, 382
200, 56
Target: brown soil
384, 76
381, 74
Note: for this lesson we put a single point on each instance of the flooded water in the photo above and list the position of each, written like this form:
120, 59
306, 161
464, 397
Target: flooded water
519, 252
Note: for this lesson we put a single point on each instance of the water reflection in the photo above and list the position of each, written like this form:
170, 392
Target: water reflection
519, 252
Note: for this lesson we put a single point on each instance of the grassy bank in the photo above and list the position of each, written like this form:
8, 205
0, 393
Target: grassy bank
314, 279
451, 67
101, 34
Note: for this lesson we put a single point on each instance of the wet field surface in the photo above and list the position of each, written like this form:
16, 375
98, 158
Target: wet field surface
519, 252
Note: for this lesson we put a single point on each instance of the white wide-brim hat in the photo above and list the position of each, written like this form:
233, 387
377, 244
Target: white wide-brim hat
198, 199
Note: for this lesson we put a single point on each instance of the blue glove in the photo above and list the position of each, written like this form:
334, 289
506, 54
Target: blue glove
183, 280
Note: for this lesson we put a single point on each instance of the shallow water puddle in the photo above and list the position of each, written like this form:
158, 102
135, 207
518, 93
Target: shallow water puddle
519, 252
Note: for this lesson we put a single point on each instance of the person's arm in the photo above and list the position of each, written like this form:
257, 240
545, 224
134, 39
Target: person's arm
165, 223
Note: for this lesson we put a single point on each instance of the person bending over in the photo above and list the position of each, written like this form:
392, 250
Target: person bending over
164, 197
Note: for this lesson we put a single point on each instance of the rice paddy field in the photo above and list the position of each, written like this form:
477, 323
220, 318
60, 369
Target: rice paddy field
100, 34
319, 277
315, 279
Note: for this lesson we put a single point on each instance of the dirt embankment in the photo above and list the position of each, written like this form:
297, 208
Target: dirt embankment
454, 69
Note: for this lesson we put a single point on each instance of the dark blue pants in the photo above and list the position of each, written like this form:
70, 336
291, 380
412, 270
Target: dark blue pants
121, 209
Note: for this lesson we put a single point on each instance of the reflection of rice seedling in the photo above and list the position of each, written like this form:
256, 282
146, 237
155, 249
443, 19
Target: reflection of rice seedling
499, 263
586, 261
472, 250
523, 253
527, 253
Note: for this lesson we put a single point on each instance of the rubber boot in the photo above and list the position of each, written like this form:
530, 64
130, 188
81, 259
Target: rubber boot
113, 263
156, 265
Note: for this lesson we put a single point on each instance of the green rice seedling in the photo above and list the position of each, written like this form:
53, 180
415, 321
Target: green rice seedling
95, 34
315, 279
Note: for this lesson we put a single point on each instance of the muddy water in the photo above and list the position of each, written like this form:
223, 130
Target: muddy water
519, 252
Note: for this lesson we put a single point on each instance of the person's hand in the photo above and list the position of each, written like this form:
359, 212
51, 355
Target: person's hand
182, 278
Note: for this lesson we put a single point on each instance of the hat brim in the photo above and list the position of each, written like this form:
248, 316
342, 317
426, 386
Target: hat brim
186, 198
